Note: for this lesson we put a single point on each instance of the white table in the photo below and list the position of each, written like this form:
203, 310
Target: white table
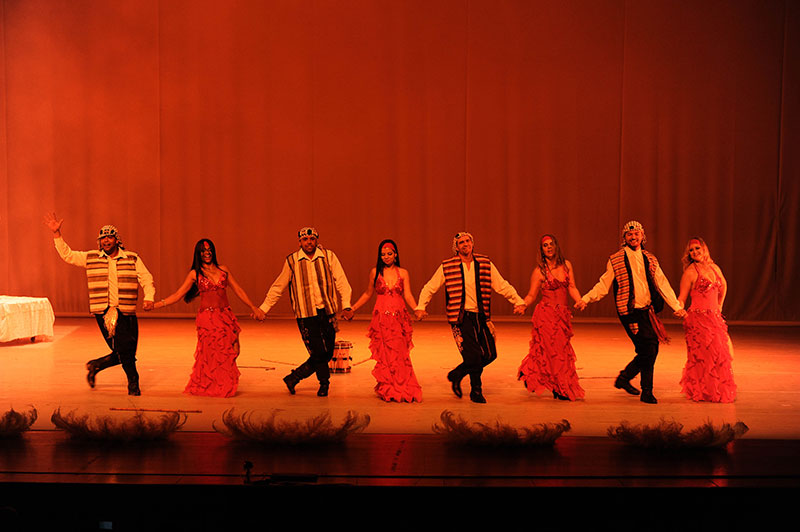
25, 317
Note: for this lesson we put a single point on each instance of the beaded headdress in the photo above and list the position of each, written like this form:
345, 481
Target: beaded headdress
307, 231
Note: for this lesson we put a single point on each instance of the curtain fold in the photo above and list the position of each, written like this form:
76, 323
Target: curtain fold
244, 121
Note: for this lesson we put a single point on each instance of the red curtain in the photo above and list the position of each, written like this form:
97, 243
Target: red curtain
243, 121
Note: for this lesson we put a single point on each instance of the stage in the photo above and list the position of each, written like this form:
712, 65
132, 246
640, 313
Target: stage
50, 375
398, 449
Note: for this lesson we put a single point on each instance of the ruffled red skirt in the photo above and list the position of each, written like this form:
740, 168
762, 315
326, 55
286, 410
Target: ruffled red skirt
214, 372
550, 363
390, 344
708, 374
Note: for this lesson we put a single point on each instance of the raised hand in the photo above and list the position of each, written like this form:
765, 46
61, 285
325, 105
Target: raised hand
53, 223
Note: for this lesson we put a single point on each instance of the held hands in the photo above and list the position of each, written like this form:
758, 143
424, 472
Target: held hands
680, 313
420, 314
148, 305
580, 304
520, 309
347, 314
258, 314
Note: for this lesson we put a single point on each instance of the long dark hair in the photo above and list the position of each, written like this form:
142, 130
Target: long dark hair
380, 265
542, 260
197, 265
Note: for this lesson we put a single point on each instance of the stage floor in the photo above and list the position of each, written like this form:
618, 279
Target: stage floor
51, 375
398, 447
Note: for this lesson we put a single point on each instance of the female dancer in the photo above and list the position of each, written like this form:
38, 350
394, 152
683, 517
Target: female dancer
708, 375
214, 373
550, 363
390, 329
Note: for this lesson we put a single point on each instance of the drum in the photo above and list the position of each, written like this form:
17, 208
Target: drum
342, 359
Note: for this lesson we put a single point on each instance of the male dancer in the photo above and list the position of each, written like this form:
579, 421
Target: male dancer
640, 289
113, 274
469, 279
313, 276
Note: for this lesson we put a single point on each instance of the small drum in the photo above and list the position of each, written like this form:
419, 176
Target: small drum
340, 363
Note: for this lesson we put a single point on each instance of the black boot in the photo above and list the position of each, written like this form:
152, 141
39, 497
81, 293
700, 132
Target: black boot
476, 396
455, 383
560, 397
648, 397
92, 370
624, 384
133, 388
323, 389
292, 380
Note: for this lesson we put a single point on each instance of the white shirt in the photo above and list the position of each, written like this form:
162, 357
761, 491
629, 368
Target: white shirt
78, 258
284, 278
641, 291
499, 285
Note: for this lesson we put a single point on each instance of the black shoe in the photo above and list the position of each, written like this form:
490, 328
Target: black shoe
476, 396
291, 380
323, 389
455, 385
648, 397
92, 371
560, 397
624, 384
133, 388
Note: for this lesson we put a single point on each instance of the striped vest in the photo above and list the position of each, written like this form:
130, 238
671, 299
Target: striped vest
300, 285
454, 287
127, 282
623, 294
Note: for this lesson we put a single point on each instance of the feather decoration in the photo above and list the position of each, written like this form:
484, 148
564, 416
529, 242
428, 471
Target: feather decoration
105, 428
668, 434
14, 423
247, 426
458, 430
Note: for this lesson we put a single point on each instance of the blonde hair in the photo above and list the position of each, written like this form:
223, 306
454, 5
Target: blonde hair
687, 260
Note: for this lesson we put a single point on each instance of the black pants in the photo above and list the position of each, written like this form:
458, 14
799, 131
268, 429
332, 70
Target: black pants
645, 343
122, 344
476, 344
319, 336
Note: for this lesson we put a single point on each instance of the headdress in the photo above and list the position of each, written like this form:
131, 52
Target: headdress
633, 225
110, 230
307, 231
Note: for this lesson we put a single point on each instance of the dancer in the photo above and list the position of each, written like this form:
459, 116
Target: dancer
708, 375
640, 290
550, 363
316, 281
112, 273
390, 328
469, 279
214, 373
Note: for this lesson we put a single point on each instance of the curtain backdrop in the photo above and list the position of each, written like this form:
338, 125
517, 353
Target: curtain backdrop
369, 119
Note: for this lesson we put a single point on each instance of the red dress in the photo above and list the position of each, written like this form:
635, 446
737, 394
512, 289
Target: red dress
708, 375
390, 344
550, 363
215, 373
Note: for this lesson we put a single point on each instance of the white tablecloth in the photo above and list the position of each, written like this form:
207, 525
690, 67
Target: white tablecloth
25, 317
